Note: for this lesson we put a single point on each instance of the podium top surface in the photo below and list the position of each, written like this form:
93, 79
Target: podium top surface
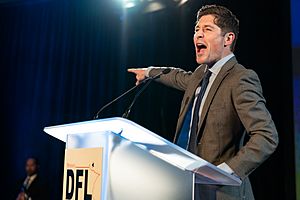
129, 130
147, 140
117, 125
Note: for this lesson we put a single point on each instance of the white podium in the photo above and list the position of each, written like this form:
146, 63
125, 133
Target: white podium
138, 164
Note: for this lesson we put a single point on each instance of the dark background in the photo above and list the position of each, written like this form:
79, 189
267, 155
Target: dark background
62, 60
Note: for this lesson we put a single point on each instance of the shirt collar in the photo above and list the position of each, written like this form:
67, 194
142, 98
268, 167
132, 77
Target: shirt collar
218, 65
32, 177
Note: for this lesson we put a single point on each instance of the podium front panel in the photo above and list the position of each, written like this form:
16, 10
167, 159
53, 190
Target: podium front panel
130, 173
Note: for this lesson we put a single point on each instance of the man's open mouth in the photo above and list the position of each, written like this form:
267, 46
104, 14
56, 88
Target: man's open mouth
200, 46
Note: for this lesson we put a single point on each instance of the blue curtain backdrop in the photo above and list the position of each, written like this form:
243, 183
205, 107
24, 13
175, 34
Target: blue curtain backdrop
61, 60
295, 18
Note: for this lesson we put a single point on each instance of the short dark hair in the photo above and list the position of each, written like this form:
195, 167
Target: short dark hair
224, 19
36, 160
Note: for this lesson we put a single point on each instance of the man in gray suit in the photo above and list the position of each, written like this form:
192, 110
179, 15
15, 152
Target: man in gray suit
222, 102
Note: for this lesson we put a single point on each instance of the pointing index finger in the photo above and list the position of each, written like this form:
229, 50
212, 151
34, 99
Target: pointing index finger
131, 69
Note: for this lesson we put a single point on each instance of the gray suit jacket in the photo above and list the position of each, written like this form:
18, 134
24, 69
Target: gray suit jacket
234, 106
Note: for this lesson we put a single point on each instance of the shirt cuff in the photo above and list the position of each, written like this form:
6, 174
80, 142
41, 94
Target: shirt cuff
225, 168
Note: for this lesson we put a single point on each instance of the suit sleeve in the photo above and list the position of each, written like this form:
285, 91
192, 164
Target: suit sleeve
250, 107
176, 78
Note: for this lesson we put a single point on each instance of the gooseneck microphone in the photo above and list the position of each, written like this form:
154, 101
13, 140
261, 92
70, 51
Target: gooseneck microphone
144, 83
127, 111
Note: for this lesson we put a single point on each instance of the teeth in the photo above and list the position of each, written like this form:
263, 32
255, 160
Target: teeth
199, 45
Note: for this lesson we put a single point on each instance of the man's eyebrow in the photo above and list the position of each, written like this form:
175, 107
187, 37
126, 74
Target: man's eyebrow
205, 26
208, 26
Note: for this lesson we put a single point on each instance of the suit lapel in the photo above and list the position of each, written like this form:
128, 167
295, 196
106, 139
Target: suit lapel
199, 73
189, 96
220, 77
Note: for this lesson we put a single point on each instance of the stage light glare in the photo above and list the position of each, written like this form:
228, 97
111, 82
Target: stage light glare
148, 6
153, 7
181, 2
129, 3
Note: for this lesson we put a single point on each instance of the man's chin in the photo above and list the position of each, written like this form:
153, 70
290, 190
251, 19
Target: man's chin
200, 61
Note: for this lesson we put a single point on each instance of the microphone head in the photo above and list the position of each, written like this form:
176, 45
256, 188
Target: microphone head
166, 71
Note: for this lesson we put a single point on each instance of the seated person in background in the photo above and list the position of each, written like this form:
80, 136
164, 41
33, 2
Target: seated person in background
32, 187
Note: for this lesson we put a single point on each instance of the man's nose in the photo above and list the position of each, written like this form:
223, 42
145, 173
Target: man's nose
199, 34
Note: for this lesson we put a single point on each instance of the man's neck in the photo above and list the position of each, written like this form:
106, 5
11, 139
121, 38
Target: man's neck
211, 64
32, 175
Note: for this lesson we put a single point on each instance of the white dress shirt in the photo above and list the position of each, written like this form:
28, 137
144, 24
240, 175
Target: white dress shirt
29, 180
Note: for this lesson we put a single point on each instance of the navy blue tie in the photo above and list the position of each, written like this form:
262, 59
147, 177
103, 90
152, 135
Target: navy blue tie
183, 139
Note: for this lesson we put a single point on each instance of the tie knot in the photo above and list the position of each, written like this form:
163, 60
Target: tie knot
206, 77
207, 73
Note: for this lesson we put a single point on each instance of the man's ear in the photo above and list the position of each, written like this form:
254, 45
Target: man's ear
228, 39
